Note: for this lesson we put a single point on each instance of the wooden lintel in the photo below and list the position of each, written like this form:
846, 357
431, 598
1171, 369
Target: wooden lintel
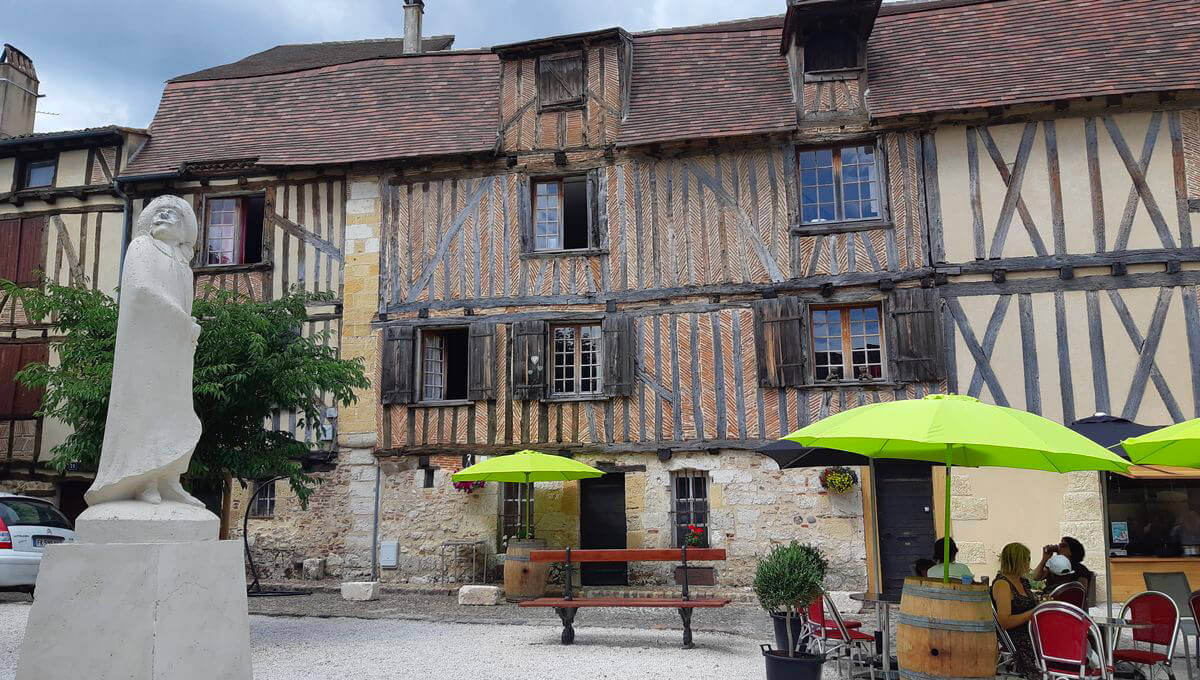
1050, 284
649, 448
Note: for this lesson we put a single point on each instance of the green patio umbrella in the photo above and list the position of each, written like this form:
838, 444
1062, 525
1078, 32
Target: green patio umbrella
958, 430
526, 467
1177, 445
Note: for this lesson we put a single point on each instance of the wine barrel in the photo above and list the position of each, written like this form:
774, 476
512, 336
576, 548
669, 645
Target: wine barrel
946, 630
524, 580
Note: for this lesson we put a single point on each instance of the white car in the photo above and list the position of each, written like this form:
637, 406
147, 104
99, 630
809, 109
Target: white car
26, 526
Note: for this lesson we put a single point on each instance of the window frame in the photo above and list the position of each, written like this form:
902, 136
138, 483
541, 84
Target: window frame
560, 180
27, 165
840, 223
576, 102
419, 366
551, 381
241, 230
847, 337
678, 525
257, 498
522, 501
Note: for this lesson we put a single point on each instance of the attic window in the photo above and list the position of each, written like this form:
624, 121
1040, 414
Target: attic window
831, 48
560, 80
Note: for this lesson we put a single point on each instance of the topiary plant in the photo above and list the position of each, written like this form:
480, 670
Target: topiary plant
789, 579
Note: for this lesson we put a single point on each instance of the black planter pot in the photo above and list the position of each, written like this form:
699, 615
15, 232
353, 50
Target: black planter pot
781, 636
780, 666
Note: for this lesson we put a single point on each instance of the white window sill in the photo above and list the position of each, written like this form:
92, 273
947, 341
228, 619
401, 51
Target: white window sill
572, 252
577, 397
442, 402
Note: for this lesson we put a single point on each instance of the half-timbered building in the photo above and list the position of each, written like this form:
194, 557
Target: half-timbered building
657, 251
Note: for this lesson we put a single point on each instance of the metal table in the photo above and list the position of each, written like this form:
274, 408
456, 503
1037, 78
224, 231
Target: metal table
883, 636
1110, 626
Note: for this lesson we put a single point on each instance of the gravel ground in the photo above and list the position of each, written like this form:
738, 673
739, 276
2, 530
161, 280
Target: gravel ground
287, 648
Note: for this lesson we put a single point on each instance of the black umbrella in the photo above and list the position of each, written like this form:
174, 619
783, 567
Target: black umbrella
789, 454
1108, 431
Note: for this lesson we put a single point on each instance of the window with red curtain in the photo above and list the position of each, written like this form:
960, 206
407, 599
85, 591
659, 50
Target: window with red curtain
22, 249
16, 401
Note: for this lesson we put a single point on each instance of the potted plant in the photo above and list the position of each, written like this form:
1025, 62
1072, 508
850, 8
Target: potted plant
696, 576
838, 479
787, 581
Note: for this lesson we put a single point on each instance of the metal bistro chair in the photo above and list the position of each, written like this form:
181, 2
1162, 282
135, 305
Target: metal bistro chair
1154, 608
1071, 593
1006, 657
1062, 635
1175, 585
843, 642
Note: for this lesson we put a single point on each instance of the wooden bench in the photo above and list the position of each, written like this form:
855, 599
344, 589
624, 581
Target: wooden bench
568, 605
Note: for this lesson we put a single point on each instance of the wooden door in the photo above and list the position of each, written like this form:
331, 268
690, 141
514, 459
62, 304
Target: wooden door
602, 525
904, 494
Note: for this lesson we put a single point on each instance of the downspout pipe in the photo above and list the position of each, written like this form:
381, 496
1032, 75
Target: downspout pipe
375, 526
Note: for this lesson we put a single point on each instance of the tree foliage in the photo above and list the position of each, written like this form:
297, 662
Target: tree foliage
251, 360
788, 579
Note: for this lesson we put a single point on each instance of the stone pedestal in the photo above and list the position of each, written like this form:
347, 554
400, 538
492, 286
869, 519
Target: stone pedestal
139, 611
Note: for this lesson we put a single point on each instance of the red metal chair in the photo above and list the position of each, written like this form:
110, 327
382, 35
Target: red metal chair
845, 643
1159, 610
1071, 593
1062, 636
816, 612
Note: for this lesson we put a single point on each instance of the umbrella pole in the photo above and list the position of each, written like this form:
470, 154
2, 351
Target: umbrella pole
946, 526
1107, 537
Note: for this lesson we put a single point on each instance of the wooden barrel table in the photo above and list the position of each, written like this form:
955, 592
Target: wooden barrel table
524, 580
946, 630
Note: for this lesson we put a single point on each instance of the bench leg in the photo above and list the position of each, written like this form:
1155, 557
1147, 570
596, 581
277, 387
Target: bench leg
567, 614
686, 615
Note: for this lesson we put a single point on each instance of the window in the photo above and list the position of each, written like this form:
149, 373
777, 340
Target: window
1154, 517
576, 357
16, 401
847, 343
560, 80
234, 230
443, 364
22, 250
39, 173
689, 503
560, 213
839, 185
517, 505
16, 512
831, 48
263, 503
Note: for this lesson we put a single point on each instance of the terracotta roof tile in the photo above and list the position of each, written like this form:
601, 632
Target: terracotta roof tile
1008, 52
707, 84
389, 108
288, 58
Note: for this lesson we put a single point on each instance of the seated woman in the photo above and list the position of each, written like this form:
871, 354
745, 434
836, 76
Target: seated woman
1071, 549
1014, 601
957, 571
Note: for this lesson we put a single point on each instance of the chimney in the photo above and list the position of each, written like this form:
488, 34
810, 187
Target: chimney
18, 93
413, 9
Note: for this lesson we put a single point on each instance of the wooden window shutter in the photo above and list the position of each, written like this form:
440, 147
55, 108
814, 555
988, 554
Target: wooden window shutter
529, 359
32, 257
399, 348
10, 247
779, 340
620, 354
481, 367
10, 363
560, 78
597, 194
524, 214
916, 334
26, 402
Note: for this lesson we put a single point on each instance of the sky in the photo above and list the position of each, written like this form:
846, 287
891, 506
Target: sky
103, 63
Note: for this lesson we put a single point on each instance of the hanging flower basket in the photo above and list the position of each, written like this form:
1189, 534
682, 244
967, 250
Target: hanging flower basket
468, 487
838, 479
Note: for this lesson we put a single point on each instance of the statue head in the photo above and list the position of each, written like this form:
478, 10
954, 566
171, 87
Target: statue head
171, 220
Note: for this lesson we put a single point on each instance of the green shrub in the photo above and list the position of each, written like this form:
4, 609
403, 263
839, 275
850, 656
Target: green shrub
788, 579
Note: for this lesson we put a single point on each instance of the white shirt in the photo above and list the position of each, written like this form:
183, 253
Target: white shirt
957, 571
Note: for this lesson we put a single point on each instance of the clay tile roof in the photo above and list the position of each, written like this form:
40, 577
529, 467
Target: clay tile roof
287, 58
432, 104
946, 56
69, 135
711, 81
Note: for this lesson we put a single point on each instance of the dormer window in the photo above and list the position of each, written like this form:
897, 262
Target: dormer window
560, 80
832, 48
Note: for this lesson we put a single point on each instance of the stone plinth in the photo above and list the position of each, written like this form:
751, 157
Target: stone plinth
360, 591
139, 611
138, 522
480, 595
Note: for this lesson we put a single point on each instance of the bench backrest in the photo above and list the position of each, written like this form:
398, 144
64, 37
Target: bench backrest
629, 555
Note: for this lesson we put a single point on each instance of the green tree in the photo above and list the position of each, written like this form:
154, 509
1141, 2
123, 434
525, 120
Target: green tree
251, 359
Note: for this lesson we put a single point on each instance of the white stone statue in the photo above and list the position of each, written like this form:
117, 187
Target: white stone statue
152, 428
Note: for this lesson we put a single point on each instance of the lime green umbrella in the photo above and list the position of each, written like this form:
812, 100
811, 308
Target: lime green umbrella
1177, 445
958, 430
526, 467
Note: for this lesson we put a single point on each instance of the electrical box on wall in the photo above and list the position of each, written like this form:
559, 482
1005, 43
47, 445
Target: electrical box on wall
389, 554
